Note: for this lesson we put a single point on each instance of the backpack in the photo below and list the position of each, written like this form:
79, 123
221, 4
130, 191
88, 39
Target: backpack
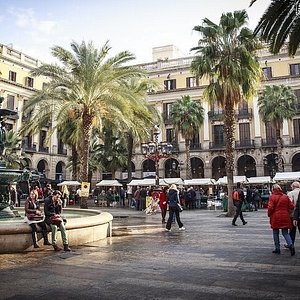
236, 196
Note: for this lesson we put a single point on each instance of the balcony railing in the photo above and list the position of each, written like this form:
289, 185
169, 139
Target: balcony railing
29, 148
195, 146
295, 140
62, 151
244, 113
269, 142
216, 115
167, 118
43, 149
217, 145
244, 144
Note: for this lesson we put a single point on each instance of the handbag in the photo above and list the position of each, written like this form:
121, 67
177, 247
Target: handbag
179, 207
35, 217
56, 220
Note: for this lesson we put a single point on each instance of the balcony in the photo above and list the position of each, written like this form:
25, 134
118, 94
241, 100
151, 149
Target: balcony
167, 118
29, 148
195, 146
62, 151
271, 142
175, 148
244, 113
216, 115
43, 149
244, 144
217, 145
295, 140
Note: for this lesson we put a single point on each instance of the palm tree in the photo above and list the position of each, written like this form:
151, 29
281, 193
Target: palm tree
279, 23
276, 103
11, 146
88, 83
226, 56
187, 117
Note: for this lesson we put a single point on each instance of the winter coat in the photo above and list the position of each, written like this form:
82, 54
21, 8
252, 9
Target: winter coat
163, 200
173, 198
278, 210
297, 211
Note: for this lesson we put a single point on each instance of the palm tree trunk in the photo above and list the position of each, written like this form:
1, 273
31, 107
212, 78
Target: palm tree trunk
129, 156
279, 150
74, 163
84, 152
188, 159
229, 152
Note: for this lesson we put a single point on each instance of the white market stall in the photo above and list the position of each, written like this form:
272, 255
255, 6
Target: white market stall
69, 183
199, 181
287, 176
236, 179
109, 182
260, 180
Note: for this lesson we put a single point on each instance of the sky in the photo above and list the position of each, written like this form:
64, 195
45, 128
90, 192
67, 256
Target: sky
34, 26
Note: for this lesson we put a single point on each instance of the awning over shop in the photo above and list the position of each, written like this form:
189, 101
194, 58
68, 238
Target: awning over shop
287, 176
109, 182
260, 180
200, 181
151, 182
170, 181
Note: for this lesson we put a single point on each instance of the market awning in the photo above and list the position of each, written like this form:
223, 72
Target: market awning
199, 181
287, 176
70, 183
236, 179
109, 182
260, 180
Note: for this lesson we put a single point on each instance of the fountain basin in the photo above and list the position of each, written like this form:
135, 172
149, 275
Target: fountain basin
89, 226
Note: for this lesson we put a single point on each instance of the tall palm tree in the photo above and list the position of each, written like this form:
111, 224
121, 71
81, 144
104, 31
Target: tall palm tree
280, 23
89, 84
187, 117
276, 103
226, 56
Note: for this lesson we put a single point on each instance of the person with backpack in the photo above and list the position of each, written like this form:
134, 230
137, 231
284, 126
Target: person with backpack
238, 200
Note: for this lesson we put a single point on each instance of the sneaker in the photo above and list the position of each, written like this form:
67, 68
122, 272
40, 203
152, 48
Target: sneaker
181, 228
166, 229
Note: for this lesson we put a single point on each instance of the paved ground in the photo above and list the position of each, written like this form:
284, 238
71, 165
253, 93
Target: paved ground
210, 260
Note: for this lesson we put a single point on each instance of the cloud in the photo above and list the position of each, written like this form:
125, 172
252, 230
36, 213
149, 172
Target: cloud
25, 18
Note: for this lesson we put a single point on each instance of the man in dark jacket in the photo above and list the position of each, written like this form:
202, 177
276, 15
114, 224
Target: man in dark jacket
238, 204
173, 201
53, 206
296, 217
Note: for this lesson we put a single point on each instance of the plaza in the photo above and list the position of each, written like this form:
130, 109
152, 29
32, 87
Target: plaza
210, 260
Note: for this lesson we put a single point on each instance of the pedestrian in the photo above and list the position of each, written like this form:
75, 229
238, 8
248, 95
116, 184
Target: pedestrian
136, 197
279, 207
122, 196
174, 207
35, 217
53, 207
163, 204
294, 195
296, 217
238, 200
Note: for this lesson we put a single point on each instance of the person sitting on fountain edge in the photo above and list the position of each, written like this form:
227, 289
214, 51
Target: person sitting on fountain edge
53, 206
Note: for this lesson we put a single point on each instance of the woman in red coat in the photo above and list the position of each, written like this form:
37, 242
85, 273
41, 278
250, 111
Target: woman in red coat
279, 213
163, 204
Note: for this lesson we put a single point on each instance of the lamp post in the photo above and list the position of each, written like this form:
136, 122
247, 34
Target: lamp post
155, 151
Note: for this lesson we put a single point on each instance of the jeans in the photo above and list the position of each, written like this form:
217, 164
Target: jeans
286, 236
173, 211
238, 213
63, 233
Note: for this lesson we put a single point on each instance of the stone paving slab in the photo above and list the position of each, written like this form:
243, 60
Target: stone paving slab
210, 260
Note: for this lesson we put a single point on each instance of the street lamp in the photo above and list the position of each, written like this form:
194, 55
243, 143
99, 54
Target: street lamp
155, 151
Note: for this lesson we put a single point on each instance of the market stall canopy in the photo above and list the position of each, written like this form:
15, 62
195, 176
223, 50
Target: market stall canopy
236, 179
70, 183
146, 182
170, 181
287, 176
260, 180
109, 182
200, 181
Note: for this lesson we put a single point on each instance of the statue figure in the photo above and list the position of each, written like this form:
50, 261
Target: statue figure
2, 136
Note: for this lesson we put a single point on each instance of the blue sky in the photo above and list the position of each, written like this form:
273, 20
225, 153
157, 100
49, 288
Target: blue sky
137, 26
